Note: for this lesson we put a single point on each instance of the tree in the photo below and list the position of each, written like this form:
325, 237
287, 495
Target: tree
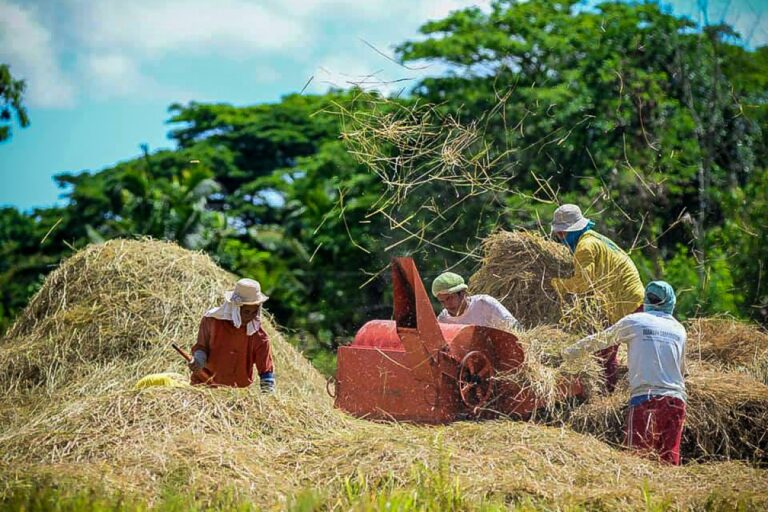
11, 102
622, 108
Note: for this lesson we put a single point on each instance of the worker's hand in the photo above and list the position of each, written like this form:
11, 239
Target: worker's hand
267, 382
199, 358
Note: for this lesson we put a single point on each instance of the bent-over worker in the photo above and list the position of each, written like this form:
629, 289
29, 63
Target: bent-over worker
231, 341
462, 308
656, 357
599, 267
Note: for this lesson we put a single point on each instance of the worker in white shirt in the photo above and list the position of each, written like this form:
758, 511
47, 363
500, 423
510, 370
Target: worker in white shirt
462, 308
656, 360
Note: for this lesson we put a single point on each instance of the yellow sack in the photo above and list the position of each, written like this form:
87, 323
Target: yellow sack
163, 380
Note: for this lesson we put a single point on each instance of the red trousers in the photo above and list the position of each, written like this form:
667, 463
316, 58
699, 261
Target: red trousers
608, 357
656, 427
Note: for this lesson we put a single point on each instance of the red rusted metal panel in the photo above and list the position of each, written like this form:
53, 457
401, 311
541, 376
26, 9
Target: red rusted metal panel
416, 369
377, 384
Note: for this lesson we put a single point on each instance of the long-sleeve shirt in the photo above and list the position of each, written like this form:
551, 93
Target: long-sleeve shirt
485, 311
232, 353
601, 267
655, 352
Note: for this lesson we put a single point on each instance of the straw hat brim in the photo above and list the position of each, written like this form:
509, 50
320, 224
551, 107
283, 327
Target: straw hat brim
261, 299
576, 226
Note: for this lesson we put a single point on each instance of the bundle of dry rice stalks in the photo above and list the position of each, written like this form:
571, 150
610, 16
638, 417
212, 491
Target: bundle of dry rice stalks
730, 343
517, 268
76, 418
544, 372
727, 416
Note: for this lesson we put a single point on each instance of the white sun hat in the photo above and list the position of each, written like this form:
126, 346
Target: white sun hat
568, 218
247, 292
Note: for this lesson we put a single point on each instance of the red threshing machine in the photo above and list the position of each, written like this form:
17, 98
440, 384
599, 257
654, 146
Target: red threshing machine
415, 369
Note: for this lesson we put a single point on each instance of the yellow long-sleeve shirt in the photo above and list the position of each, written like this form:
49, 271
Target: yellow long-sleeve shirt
601, 267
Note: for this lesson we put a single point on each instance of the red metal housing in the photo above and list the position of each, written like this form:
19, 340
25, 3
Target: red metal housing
413, 368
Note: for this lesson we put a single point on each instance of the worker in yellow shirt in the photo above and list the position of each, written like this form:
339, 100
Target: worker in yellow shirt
601, 268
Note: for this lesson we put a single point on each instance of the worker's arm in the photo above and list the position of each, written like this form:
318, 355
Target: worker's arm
620, 332
583, 270
263, 362
201, 349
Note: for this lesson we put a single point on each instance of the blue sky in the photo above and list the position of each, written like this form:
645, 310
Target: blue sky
101, 73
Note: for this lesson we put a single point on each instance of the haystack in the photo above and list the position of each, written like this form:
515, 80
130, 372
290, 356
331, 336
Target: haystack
544, 370
76, 419
727, 416
731, 343
517, 268
107, 317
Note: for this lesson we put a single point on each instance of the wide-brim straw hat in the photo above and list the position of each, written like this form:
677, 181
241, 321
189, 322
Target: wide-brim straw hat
247, 292
568, 218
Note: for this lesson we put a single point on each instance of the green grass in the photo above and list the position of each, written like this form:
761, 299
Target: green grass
433, 490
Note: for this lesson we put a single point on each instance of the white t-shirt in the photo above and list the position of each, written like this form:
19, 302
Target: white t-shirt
485, 311
655, 352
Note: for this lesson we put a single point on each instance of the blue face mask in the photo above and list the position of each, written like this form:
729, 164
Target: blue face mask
660, 290
572, 237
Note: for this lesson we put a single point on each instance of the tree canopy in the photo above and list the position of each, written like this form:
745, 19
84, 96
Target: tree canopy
654, 127
11, 102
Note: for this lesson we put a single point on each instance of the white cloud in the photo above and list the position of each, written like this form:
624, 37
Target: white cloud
28, 48
116, 46
148, 27
437, 9
113, 74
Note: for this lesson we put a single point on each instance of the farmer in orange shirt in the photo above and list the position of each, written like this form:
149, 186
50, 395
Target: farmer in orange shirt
231, 341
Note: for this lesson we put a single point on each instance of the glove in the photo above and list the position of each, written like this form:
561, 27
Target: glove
199, 358
267, 382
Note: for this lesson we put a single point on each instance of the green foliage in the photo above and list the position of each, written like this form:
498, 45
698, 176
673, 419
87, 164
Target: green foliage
11, 102
703, 288
655, 128
624, 109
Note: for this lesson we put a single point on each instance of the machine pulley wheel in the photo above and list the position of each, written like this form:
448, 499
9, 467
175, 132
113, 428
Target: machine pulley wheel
475, 379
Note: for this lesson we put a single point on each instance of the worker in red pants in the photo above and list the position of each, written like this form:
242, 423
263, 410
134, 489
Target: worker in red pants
600, 268
656, 359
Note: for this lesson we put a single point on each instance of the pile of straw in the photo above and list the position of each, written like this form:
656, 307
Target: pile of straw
107, 317
544, 369
727, 416
517, 268
730, 343
727, 411
728, 408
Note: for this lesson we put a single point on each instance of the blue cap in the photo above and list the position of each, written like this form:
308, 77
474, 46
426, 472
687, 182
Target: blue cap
659, 296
